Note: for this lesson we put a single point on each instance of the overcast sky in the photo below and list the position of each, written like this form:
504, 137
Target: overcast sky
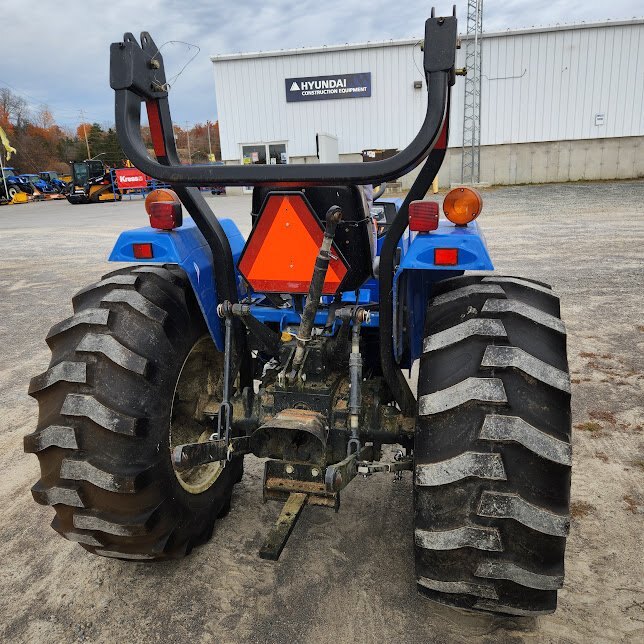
59, 55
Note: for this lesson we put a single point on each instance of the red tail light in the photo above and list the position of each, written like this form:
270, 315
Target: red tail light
445, 256
423, 216
164, 209
165, 215
142, 251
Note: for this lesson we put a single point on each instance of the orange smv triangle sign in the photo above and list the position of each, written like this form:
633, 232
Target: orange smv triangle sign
280, 253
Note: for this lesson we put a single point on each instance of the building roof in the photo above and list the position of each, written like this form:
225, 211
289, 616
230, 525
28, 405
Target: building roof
413, 41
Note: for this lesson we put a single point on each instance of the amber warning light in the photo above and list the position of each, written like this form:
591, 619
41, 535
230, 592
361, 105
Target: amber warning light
462, 205
280, 253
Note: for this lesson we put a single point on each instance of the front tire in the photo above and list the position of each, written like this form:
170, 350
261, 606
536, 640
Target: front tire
492, 451
130, 375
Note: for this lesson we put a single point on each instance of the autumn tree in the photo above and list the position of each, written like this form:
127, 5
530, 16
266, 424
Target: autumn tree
200, 145
103, 145
13, 109
43, 145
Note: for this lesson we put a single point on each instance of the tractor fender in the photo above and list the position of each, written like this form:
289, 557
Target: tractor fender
186, 247
469, 240
417, 272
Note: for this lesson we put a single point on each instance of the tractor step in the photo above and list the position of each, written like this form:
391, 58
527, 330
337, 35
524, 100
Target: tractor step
281, 531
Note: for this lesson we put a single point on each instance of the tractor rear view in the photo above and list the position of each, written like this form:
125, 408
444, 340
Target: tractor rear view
291, 344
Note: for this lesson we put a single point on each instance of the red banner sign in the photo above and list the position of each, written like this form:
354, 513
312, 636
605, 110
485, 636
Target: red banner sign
130, 178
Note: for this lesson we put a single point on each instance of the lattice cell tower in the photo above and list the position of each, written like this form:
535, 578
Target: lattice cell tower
471, 158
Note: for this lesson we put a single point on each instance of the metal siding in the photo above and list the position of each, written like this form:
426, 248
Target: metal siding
570, 75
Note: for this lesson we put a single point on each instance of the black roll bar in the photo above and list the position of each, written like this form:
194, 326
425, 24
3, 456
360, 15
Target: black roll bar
392, 373
137, 74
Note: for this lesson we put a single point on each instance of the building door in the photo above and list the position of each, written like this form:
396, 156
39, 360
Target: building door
263, 153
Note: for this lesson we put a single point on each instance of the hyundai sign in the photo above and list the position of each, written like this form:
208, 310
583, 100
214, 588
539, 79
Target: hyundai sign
320, 88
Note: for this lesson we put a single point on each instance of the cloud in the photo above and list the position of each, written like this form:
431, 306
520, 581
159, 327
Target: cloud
63, 61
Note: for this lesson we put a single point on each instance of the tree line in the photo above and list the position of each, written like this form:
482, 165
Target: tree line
42, 144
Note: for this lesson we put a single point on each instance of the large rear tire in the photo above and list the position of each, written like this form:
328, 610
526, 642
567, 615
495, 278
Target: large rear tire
492, 450
130, 374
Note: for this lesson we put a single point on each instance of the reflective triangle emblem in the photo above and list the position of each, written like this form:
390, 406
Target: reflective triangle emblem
280, 253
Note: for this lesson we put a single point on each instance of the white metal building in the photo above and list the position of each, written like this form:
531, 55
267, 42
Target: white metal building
558, 103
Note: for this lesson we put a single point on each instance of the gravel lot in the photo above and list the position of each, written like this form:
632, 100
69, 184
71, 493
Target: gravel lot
345, 577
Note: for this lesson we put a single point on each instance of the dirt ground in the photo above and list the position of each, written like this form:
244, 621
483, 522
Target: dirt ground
344, 577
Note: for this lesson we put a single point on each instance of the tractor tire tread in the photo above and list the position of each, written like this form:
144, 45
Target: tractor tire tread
101, 399
493, 451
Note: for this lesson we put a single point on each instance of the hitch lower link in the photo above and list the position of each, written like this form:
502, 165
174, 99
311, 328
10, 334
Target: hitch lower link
211, 451
220, 446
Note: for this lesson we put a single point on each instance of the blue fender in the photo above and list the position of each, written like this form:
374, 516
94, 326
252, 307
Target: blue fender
417, 273
469, 240
186, 247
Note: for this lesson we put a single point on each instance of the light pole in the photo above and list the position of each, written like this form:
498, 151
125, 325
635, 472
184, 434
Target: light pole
82, 115
4, 179
188, 139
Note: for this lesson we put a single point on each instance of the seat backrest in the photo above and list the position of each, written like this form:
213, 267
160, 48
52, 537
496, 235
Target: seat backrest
355, 236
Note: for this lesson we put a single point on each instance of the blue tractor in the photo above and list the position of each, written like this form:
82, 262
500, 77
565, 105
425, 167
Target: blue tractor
15, 183
39, 185
53, 179
293, 345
